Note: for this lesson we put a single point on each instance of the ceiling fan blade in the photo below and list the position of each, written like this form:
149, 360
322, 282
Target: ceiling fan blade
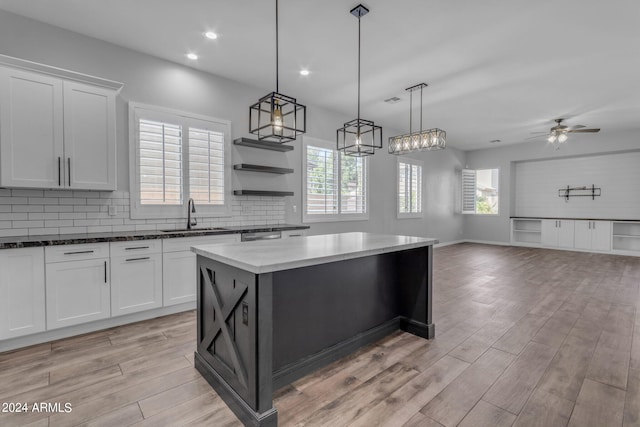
584, 130
577, 127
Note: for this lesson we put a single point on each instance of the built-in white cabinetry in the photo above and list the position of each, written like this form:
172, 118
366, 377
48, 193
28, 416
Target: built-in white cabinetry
592, 235
22, 301
55, 132
78, 289
626, 237
526, 231
136, 276
557, 233
179, 266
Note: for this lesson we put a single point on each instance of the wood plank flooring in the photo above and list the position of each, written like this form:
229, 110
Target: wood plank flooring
524, 337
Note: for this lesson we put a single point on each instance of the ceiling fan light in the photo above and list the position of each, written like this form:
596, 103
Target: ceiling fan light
562, 137
552, 138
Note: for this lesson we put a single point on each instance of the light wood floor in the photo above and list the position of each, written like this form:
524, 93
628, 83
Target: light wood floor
524, 337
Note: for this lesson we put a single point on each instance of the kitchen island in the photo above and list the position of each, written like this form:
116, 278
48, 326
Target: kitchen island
270, 312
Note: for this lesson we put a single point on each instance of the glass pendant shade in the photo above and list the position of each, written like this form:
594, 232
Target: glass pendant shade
277, 117
422, 140
359, 138
562, 137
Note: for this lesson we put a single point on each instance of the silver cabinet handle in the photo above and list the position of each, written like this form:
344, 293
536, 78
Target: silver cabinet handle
78, 252
136, 247
137, 259
105, 272
59, 173
69, 169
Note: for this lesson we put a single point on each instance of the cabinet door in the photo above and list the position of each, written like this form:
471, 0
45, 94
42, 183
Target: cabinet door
549, 232
136, 283
601, 236
31, 133
22, 309
582, 238
89, 137
179, 277
565, 233
77, 292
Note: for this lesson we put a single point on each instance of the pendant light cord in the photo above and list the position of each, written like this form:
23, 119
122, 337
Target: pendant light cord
421, 87
277, 56
358, 74
410, 112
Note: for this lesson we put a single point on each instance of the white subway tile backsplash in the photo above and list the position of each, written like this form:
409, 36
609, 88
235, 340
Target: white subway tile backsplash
37, 212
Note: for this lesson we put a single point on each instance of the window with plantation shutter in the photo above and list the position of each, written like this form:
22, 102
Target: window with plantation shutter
176, 156
335, 185
409, 188
480, 191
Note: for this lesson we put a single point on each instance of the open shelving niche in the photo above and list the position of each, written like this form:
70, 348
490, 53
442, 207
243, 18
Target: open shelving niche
263, 145
527, 231
626, 237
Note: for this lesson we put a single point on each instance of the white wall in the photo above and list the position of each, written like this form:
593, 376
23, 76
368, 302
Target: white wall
618, 175
157, 82
496, 228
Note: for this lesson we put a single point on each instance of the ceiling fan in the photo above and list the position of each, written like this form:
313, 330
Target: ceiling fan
560, 133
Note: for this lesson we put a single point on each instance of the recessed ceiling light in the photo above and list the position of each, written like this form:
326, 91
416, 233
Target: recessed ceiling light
493, 141
211, 35
192, 56
304, 72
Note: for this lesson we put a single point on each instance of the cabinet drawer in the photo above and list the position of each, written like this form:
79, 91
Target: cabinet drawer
136, 247
76, 252
184, 243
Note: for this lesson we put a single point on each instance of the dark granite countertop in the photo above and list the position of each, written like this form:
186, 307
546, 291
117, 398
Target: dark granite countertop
575, 219
121, 236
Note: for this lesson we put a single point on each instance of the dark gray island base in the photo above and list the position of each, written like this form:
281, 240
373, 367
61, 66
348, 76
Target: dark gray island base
263, 326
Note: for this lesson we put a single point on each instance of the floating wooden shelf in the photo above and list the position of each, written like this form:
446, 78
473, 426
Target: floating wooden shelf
260, 168
264, 145
262, 193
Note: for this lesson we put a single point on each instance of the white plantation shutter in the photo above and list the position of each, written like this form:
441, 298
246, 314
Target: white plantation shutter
409, 188
206, 166
160, 160
322, 184
468, 191
175, 156
353, 186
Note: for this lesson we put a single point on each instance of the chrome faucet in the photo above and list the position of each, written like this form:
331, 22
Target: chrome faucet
191, 208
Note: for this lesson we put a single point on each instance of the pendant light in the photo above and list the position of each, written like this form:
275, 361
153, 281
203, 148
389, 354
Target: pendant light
277, 117
359, 137
431, 139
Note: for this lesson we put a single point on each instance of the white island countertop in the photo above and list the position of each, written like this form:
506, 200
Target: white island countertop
265, 256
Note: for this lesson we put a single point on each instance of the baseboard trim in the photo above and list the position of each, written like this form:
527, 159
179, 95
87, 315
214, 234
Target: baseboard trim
243, 411
488, 242
69, 331
298, 369
454, 242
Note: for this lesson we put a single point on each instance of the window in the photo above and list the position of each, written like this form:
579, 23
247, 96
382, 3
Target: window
176, 156
335, 185
480, 191
409, 188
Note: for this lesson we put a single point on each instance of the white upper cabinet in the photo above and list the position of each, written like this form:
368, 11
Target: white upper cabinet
56, 132
89, 137
31, 130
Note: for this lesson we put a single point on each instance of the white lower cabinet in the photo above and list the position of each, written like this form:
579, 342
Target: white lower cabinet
293, 233
179, 266
78, 290
557, 233
136, 276
22, 300
593, 235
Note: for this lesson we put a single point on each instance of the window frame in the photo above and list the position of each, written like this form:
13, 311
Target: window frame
340, 216
413, 162
475, 204
186, 121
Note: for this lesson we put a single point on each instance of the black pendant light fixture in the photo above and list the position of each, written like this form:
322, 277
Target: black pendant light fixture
277, 117
359, 137
429, 139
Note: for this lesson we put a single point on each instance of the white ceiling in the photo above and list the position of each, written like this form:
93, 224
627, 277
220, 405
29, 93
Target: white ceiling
497, 69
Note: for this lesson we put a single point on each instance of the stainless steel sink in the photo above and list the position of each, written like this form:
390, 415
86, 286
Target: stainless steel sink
194, 230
